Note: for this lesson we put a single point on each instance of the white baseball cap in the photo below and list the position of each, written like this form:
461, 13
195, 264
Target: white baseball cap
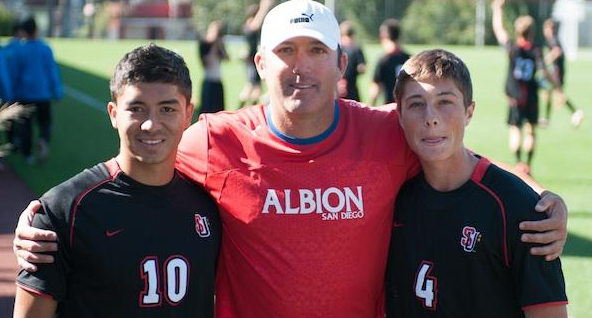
300, 18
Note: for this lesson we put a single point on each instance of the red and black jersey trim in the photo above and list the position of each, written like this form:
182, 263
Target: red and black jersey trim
477, 176
113, 170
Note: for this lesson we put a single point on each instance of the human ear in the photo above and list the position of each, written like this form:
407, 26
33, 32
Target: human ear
260, 64
112, 111
469, 112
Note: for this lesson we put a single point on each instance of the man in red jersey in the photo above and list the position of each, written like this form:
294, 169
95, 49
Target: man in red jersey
305, 185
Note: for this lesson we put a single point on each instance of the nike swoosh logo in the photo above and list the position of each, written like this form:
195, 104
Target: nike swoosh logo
113, 233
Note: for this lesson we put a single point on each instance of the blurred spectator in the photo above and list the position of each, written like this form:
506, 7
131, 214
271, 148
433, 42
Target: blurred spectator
555, 63
387, 69
211, 53
356, 65
38, 83
13, 64
251, 92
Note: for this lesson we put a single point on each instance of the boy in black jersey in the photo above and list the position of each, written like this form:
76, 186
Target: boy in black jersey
521, 84
456, 249
135, 238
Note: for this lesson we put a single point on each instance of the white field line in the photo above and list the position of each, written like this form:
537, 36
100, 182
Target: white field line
85, 99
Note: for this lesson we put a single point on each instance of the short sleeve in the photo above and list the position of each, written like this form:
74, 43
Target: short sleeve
192, 154
536, 281
49, 279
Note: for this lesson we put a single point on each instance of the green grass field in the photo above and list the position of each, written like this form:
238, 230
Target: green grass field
83, 135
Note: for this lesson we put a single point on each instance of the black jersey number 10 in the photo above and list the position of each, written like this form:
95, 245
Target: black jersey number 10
175, 277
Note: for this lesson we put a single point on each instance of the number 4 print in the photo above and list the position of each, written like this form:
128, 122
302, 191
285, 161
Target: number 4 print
426, 286
176, 276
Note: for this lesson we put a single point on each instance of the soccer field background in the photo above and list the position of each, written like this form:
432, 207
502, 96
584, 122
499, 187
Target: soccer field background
83, 135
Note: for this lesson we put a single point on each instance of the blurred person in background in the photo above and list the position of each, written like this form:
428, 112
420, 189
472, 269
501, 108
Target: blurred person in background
251, 92
212, 52
385, 74
37, 84
553, 86
356, 62
13, 61
521, 85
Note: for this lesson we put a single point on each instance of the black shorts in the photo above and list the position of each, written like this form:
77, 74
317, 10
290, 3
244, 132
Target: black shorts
517, 115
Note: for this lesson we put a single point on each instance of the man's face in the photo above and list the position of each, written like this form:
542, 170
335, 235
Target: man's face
301, 74
150, 119
434, 117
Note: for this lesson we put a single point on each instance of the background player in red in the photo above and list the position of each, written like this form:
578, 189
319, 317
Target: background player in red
356, 62
521, 84
385, 73
136, 238
305, 185
553, 86
456, 249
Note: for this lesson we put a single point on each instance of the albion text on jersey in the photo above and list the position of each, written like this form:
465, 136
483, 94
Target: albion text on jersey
331, 203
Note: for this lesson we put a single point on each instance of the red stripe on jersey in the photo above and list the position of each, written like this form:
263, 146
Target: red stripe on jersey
113, 169
542, 305
34, 291
480, 169
478, 174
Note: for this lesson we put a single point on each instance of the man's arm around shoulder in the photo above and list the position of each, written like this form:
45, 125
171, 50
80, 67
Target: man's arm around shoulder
30, 305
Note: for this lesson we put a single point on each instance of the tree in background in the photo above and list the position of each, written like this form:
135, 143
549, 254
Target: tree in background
454, 21
6, 21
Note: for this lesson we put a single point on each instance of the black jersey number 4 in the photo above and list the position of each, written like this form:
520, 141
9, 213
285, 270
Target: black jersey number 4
426, 286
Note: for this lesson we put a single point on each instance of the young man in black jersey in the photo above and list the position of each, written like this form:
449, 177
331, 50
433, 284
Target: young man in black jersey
521, 84
456, 249
135, 238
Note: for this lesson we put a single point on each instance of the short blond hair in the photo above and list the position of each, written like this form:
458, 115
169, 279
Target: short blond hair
523, 26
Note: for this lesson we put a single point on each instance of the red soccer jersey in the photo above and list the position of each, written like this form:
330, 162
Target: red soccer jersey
306, 227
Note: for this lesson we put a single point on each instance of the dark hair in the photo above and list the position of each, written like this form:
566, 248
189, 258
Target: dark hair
17, 26
151, 64
347, 28
392, 28
435, 64
29, 26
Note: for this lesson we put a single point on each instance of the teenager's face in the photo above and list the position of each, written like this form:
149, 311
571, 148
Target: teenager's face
434, 117
150, 119
301, 74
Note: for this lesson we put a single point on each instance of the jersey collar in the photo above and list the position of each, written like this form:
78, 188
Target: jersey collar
303, 141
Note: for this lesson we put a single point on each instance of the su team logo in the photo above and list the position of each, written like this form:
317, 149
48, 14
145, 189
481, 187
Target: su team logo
470, 237
202, 226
